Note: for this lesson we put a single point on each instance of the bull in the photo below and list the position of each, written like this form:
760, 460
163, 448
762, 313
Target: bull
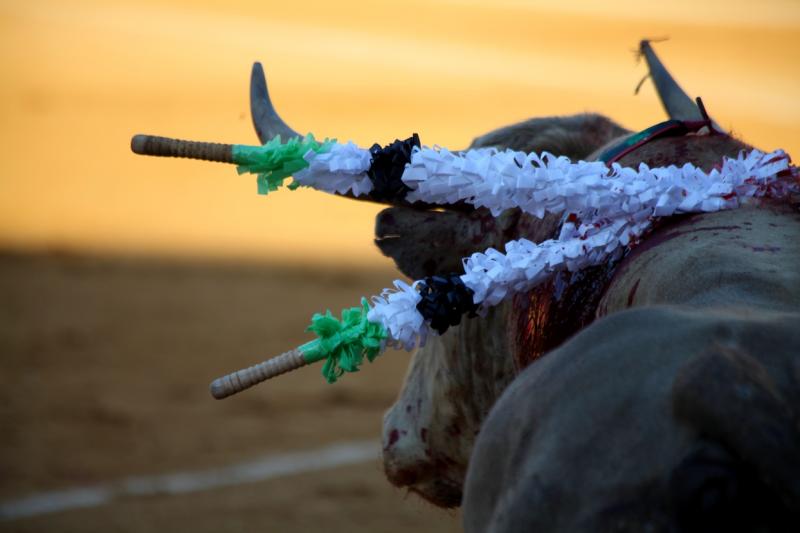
745, 260
629, 424
655, 393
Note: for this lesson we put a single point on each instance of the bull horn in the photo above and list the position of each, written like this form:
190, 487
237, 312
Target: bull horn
268, 125
677, 104
265, 119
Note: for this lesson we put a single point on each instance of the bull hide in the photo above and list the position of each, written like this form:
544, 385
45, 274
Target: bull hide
625, 429
678, 414
421, 449
674, 409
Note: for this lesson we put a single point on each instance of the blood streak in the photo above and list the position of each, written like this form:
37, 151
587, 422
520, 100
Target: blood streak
547, 316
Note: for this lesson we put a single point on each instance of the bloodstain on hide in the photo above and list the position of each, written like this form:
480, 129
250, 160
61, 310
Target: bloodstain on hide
545, 317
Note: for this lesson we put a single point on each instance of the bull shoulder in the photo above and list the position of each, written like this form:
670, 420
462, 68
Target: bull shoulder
602, 433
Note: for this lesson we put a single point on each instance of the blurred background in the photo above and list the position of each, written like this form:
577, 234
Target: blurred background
128, 283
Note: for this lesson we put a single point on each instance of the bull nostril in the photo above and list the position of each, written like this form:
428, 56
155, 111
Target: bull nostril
384, 217
385, 222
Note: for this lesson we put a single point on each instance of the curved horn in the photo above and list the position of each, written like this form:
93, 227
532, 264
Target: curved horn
676, 102
265, 119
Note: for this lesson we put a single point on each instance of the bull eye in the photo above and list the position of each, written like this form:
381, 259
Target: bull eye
712, 490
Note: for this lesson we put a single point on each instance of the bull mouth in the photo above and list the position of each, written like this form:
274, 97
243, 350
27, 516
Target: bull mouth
385, 242
441, 492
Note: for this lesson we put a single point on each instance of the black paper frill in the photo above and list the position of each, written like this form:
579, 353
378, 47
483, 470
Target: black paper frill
386, 169
444, 300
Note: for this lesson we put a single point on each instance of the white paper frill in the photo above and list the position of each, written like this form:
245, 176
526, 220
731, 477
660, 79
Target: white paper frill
396, 309
504, 179
341, 170
500, 180
610, 209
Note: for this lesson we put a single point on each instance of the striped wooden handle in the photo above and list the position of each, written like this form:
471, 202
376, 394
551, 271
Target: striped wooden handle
247, 377
168, 147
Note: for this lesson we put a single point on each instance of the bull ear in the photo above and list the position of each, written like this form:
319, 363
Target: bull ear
728, 397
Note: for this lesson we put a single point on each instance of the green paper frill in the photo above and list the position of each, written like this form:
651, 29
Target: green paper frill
344, 344
276, 161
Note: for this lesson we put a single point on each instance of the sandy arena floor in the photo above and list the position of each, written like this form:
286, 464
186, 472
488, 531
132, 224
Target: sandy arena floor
105, 371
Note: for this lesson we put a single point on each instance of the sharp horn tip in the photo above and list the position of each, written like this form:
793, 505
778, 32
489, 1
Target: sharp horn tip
646, 43
645, 48
257, 78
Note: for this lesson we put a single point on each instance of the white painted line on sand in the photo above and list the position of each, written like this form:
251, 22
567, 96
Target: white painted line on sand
267, 467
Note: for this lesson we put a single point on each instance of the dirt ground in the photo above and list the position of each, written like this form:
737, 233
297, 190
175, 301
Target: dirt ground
104, 374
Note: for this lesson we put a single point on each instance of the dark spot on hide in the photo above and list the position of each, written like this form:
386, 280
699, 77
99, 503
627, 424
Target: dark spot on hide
764, 248
394, 436
423, 434
632, 293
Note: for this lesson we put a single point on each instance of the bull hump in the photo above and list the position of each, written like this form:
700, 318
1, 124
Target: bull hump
704, 151
747, 256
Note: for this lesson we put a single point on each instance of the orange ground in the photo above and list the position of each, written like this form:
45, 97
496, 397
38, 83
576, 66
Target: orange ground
104, 373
